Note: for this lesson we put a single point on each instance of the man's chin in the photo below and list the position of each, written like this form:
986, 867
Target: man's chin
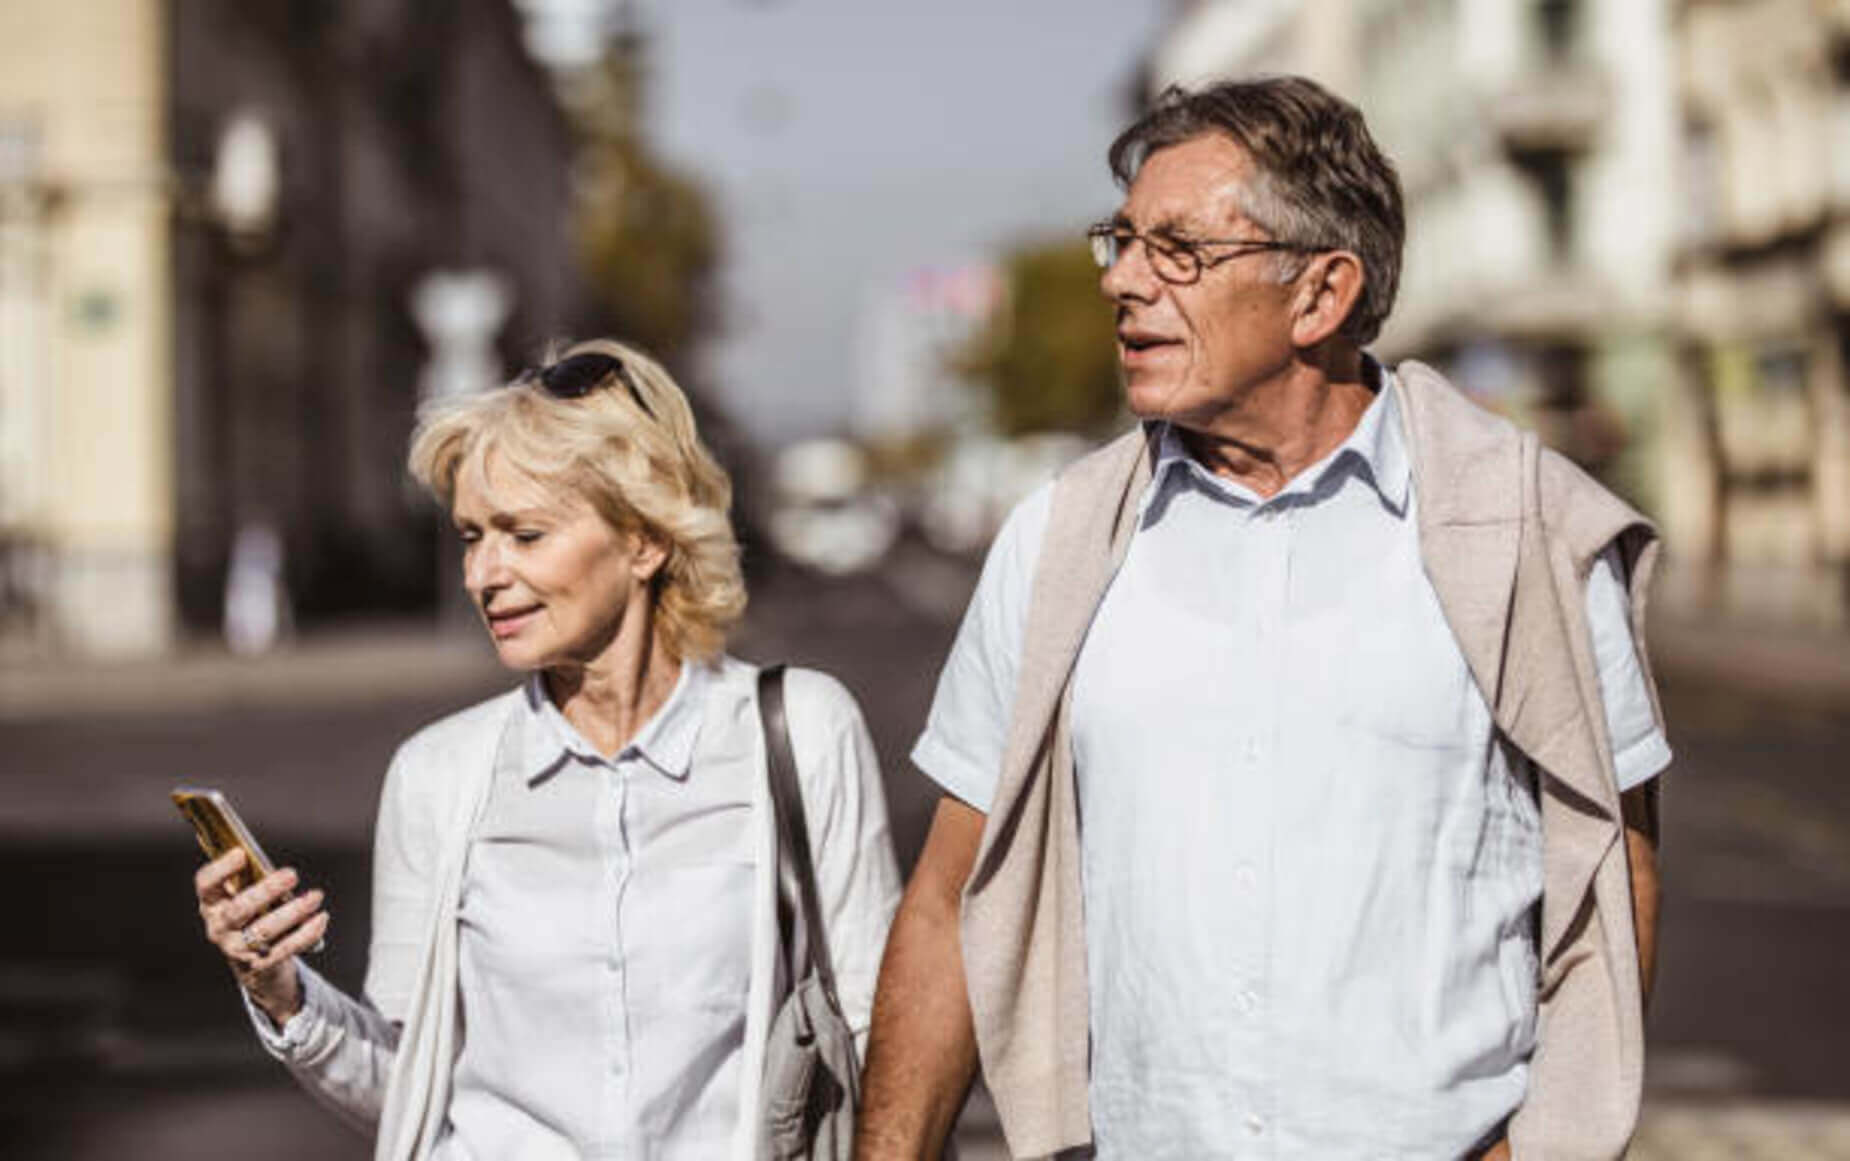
1150, 398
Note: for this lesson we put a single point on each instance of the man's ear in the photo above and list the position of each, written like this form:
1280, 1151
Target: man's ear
1328, 290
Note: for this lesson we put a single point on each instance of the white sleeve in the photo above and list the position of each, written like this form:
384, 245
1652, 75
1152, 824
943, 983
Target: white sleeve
1639, 750
857, 879
406, 848
338, 1048
967, 729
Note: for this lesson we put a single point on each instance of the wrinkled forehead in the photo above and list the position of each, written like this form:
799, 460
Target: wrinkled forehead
1194, 186
489, 478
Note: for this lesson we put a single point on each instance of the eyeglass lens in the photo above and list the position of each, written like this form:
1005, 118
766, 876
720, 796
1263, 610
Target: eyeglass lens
1179, 264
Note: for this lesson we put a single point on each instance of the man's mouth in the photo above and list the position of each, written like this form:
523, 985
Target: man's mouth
1136, 342
504, 623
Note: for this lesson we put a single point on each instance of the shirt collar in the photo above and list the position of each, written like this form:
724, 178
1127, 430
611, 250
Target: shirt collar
665, 742
1375, 451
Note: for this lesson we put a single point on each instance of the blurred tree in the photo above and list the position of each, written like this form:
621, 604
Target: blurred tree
647, 233
1048, 361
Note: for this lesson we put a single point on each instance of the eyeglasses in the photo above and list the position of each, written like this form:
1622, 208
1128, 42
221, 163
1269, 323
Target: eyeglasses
578, 375
1176, 261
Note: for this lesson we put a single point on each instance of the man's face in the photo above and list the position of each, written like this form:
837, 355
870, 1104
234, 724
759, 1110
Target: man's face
1192, 354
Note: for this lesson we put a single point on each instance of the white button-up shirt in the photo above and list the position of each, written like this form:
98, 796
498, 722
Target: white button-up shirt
1311, 867
606, 945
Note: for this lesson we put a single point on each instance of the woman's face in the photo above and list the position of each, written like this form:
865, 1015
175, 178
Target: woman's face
553, 580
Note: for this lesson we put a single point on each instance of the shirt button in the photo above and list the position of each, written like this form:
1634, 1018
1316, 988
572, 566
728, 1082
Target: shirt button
1255, 1125
1244, 877
1247, 1001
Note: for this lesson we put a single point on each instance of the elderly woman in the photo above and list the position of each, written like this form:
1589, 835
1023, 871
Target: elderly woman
575, 947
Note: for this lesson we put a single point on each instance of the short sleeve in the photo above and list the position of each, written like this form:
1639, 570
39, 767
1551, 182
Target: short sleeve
1639, 749
967, 729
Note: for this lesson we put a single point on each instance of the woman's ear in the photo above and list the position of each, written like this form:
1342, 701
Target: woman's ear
648, 553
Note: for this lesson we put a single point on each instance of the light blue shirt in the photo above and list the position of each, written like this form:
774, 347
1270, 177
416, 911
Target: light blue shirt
605, 946
1311, 867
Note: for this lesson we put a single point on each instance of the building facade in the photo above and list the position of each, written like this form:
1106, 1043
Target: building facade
86, 324
215, 215
1532, 138
1763, 300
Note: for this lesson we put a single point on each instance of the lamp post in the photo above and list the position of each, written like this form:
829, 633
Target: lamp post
459, 313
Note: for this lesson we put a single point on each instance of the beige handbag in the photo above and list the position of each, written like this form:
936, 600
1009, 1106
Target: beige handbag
812, 1080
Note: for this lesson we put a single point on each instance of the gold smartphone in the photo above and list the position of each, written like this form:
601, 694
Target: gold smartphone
219, 829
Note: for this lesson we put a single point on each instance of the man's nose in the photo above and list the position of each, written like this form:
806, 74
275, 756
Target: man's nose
1131, 276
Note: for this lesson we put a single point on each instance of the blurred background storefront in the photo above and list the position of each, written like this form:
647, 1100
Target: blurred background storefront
240, 242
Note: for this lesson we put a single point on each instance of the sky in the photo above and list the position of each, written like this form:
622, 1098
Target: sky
849, 141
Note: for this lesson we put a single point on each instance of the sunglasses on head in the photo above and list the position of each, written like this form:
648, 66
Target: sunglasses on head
577, 376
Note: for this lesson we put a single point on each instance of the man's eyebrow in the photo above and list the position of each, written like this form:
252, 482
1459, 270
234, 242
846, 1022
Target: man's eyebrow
1169, 226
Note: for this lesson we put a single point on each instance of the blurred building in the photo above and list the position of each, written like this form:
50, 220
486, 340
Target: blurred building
1533, 139
1628, 225
1763, 284
911, 331
1212, 39
213, 216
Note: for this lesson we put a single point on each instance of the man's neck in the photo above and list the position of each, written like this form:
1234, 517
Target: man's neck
1283, 425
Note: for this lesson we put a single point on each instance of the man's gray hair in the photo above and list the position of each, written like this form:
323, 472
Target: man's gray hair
1320, 180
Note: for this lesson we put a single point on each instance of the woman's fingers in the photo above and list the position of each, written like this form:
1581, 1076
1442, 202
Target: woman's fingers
301, 939
209, 881
244, 907
266, 931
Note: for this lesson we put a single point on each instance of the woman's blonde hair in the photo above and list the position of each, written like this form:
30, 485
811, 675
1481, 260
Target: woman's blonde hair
636, 458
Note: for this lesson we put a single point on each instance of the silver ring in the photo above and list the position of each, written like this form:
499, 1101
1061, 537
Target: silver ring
254, 943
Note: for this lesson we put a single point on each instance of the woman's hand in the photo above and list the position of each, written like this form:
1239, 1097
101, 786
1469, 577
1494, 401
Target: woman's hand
257, 937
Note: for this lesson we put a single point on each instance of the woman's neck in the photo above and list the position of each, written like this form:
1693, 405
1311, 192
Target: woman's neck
609, 698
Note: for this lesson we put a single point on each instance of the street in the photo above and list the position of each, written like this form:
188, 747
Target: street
120, 1034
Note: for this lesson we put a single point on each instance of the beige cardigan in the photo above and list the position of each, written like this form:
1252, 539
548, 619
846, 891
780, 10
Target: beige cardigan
1508, 532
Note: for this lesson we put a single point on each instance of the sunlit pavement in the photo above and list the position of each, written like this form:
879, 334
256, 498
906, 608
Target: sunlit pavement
119, 1033
1734, 1132
1744, 1131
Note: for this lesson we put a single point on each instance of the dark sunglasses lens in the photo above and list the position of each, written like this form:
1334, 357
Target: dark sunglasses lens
575, 377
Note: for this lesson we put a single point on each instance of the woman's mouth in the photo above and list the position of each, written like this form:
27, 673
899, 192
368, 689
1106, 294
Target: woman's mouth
505, 624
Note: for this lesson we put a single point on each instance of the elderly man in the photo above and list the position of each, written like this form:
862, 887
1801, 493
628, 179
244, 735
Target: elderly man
1297, 750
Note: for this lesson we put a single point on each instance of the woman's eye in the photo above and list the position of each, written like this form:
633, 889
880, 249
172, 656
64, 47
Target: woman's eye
527, 535
468, 535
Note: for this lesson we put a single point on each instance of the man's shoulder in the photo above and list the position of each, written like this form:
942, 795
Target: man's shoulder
1104, 466
1080, 488
1430, 400
1581, 509
1481, 446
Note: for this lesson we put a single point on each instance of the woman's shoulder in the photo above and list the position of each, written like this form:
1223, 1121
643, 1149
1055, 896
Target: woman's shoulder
464, 730
811, 695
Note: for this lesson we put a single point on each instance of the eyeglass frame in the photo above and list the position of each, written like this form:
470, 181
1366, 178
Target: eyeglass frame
576, 376
1102, 234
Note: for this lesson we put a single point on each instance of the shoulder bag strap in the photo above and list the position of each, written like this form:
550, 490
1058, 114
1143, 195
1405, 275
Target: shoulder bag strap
792, 823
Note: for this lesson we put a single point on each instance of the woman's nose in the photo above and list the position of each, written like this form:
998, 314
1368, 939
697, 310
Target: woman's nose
484, 568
